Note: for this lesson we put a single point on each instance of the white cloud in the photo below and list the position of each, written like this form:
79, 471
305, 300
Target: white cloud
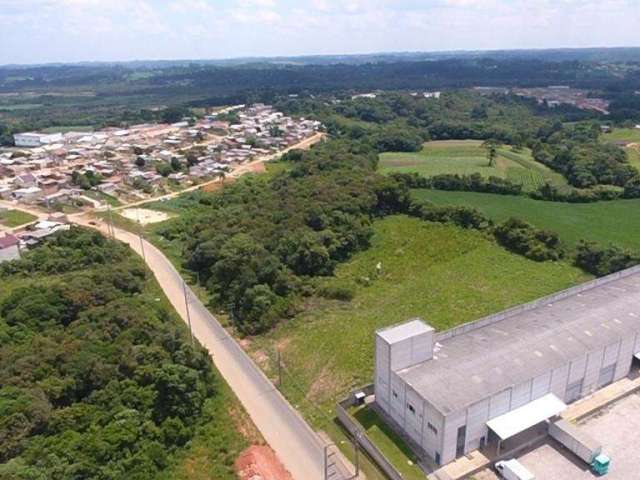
52, 30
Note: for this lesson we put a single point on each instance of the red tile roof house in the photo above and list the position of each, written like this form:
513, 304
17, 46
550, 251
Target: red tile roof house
9, 248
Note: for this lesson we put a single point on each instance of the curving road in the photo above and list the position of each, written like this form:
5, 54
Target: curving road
297, 446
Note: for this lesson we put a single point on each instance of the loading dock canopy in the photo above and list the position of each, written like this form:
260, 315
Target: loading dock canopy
518, 420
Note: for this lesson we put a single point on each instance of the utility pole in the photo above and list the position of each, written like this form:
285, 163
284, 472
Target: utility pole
144, 256
279, 360
186, 306
110, 227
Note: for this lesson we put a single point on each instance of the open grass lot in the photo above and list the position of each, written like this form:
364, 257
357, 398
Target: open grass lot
634, 156
615, 222
465, 157
15, 218
630, 135
443, 274
622, 135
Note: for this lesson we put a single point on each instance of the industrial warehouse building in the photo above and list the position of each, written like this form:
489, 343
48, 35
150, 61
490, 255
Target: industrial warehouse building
487, 381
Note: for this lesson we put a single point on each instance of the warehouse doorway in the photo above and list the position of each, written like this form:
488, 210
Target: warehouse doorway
461, 440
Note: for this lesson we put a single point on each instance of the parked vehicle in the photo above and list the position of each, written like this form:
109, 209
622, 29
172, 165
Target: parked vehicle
513, 470
600, 464
575, 440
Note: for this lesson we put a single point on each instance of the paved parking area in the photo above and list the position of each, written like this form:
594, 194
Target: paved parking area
617, 427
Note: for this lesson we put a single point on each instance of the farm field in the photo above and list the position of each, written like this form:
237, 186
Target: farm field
15, 218
615, 221
443, 274
466, 157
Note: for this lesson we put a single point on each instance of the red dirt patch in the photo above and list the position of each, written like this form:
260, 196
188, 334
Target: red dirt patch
259, 462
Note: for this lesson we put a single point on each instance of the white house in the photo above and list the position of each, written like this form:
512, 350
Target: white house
35, 139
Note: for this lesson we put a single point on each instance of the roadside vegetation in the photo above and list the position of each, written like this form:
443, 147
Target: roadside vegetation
99, 378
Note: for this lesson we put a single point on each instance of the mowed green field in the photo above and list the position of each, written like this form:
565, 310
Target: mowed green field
615, 221
15, 218
444, 274
466, 157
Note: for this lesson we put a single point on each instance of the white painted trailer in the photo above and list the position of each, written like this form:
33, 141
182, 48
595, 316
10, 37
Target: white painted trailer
513, 470
580, 443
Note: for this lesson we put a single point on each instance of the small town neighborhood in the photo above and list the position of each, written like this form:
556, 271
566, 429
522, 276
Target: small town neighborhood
62, 173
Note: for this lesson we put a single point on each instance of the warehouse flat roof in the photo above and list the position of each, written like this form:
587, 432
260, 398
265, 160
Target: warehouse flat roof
484, 361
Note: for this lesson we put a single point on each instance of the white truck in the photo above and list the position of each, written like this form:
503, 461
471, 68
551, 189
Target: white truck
513, 470
575, 440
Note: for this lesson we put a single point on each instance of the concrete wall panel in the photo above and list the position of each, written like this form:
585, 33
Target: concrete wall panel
576, 371
625, 357
594, 364
541, 386
559, 379
500, 404
521, 395
477, 417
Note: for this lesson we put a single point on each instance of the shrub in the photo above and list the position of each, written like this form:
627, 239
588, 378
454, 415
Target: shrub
601, 261
521, 237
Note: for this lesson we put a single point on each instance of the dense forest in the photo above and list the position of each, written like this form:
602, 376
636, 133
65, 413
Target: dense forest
118, 94
98, 378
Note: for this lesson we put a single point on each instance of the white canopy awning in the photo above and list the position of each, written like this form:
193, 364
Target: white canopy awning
518, 420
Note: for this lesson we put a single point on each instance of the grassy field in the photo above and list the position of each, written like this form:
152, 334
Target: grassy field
390, 443
465, 157
622, 135
15, 218
634, 156
631, 135
443, 274
615, 222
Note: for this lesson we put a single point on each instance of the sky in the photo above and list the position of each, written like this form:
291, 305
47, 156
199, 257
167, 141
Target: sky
41, 31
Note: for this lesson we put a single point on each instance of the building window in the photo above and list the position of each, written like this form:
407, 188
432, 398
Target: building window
437, 458
395, 394
432, 428
411, 409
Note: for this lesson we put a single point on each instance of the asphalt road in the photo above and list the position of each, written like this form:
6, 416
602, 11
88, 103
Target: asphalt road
297, 446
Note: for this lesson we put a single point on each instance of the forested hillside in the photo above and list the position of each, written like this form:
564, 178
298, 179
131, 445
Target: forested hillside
98, 378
